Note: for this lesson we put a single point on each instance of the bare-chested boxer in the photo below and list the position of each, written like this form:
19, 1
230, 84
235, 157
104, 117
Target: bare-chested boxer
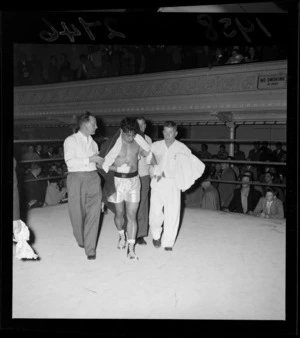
123, 161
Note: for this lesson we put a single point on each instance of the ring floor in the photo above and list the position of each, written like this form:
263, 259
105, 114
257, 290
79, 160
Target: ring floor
223, 266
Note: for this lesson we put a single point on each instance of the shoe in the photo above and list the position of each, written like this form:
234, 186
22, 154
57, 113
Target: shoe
131, 253
141, 241
156, 243
122, 241
91, 257
168, 248
81, 246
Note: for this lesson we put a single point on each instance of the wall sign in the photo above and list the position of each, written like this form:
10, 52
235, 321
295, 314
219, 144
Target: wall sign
272, 81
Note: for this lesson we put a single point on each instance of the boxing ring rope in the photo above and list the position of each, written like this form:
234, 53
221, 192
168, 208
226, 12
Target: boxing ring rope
182, 140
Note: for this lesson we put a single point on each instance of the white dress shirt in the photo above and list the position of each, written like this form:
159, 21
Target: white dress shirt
77, 150
143, 166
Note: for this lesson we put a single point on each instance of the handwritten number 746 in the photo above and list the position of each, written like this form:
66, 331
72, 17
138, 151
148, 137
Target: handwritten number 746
74, 31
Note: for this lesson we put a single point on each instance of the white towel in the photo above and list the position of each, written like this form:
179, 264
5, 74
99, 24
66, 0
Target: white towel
188, 169
21, 236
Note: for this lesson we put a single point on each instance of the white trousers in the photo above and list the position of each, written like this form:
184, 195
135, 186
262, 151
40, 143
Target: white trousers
164, 209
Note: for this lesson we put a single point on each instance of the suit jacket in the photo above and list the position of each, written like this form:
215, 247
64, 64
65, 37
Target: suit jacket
252, 200
226, 189
279, 154
276, 209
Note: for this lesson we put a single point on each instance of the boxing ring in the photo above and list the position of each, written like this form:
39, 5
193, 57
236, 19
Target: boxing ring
223, 266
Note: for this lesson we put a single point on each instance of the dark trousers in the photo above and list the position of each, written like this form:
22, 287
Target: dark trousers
84, 204
143, 211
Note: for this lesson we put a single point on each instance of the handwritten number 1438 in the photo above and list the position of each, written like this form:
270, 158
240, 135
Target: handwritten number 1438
206, 21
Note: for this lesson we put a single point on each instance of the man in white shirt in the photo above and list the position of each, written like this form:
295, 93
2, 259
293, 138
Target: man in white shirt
84, 184
177, 169
143, 170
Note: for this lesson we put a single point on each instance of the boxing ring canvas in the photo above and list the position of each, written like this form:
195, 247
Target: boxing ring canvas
223, 266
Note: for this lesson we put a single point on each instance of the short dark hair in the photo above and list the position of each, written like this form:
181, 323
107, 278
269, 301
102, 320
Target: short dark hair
204, 145
129, 124
222, 146
83, 118
35, 165
273, 191
279, 144
54, 180
269, 172
170, 124
141, 118
249, 174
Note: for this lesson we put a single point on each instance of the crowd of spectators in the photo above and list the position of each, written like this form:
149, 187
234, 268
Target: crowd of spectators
214, 195
117, 60
228, 197
46, 181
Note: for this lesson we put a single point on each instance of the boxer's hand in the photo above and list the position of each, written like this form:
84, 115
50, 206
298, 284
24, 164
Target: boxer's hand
124, 168
96, 159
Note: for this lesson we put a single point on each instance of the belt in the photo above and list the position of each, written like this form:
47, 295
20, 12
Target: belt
124, 175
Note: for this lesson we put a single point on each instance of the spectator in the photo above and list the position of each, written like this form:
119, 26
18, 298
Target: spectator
54, 192
204, 154
37, 70
45, 151
236, 56
234, 167
269, 179
216, 171
265, 152
38, 150
49, 152
127, 62
226, 189
253, 180
219, 57
254, 154
24, 70
251, 168
222, 153
65, 72
53, 72
269, 206
115, 61
210, 195
30, 154
245, 198
150, 61
87, 69
238, 154
203, 56
251, 55
279, 152
59, 153
176, 58
35, 190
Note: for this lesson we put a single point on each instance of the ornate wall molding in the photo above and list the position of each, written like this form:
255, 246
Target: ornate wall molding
187, 93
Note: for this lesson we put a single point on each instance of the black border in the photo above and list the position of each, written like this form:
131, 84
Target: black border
152, 327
